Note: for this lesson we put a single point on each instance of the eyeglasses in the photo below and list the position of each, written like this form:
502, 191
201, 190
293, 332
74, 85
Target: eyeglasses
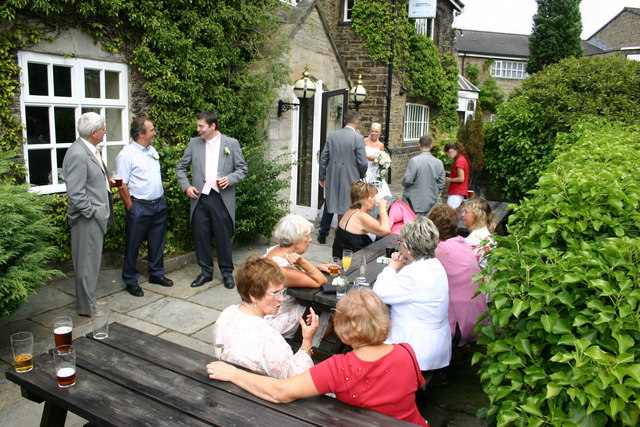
281, 293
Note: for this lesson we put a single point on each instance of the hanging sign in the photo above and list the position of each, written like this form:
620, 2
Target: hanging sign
422, 8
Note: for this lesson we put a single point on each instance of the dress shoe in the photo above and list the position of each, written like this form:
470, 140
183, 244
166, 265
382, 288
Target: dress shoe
161, 280
200, 280
136, 291
228, 281
322, 239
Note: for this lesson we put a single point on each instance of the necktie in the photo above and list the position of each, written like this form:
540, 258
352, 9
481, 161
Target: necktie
106, 180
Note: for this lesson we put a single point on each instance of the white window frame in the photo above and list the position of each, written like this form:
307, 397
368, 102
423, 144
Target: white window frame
416, 121
346, 10
509, 69
77, 101
425, 27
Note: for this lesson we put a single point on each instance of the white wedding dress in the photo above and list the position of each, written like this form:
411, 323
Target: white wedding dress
372, 173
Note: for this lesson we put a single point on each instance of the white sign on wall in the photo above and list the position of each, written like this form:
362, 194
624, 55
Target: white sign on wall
422, 8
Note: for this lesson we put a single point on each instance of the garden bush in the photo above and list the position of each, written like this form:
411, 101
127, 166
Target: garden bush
519, 143
563, 338
24, 251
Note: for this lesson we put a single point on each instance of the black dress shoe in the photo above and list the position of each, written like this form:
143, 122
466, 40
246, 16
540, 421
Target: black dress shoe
136, 291
228, 281
161, 280
200, 280
322, 239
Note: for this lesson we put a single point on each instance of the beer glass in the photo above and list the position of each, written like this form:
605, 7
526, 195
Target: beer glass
100, 320
64, 363
334, 268
22, 346
62, 327
218, 345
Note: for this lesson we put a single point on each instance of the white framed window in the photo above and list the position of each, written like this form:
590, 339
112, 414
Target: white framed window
347, 5
509, 70
290, 2
424, 26
56, 91
416, 121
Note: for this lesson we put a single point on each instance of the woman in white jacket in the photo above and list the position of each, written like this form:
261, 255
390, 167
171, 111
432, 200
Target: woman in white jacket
415, 285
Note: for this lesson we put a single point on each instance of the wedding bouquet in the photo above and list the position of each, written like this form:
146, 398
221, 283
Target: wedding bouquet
383, 161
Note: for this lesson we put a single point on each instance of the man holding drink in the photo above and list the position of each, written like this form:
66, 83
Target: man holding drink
143, 196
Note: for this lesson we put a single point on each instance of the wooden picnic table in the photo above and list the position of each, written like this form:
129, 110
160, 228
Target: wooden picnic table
134, 378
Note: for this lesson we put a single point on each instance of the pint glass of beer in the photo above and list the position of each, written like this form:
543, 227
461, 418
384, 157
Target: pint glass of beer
22, 346
62, 327
64, 363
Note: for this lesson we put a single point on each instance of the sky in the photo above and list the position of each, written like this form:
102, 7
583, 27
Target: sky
516, 16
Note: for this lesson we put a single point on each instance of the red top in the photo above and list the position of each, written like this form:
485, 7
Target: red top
387, 385
460, 187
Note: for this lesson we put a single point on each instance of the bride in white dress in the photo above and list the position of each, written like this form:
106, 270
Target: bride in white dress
373, 146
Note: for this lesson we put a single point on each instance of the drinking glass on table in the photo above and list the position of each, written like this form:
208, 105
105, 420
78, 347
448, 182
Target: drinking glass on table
347, 254
22, 347
334, 267
64, 363
218, 345
62, 327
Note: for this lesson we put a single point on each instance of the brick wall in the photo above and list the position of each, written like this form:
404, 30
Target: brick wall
623, 31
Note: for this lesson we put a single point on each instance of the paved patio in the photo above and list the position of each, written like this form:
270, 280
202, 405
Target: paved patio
183, 315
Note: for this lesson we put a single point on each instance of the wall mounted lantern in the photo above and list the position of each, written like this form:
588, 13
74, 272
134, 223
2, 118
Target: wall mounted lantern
304, 89
358, 94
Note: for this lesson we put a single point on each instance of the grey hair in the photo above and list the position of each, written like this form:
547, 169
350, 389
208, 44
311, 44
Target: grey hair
89, 122
291, 229
420, 236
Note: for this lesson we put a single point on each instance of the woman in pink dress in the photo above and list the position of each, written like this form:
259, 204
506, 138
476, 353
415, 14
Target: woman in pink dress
378, 376
460, 264
460, 174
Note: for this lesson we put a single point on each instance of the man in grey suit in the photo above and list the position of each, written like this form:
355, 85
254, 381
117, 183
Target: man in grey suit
423, 180
89, 206
343, 161
217, 165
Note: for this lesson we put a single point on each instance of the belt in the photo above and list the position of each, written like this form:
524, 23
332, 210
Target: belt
146, 202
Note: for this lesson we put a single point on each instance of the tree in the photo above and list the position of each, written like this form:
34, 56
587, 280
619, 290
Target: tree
471, 135
556, 33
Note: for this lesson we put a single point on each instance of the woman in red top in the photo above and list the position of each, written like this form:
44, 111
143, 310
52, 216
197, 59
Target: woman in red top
378, 376
460, 174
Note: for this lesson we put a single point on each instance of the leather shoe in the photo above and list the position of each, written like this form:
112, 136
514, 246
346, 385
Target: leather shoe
228, 281
322, 239
136, 291
200, 280
161, 280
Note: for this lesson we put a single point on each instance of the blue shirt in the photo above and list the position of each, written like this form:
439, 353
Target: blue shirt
139, 168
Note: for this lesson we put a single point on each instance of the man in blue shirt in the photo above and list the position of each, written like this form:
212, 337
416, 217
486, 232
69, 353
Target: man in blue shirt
143, 196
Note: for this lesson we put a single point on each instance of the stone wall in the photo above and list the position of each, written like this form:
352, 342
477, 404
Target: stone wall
506, 85
623, 31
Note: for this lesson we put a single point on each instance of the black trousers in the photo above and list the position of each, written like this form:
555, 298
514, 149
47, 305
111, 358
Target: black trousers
145, 222
325, 221
211, 220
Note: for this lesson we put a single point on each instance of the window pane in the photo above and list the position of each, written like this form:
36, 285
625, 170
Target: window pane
64, 119
60, 153
61, 81
112, 84
37, 119
113, 121
110, 159
91, 110
40, 167
92, 83
38, 81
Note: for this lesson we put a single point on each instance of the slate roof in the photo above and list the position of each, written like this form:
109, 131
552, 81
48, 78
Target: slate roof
492, 44
466, 85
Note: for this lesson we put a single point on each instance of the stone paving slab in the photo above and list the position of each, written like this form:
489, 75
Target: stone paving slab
47, 298
109, 281
217, 297
181, 316
205, 335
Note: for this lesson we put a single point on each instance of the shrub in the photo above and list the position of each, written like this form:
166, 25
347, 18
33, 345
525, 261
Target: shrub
519, 143
24, 250
563, 342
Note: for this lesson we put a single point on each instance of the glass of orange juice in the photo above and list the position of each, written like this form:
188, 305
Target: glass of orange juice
347, 254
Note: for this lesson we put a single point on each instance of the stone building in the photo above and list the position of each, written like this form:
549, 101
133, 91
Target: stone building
619, 36
324, 43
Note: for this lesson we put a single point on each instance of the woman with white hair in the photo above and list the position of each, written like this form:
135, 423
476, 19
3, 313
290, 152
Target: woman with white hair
293, 236
415, 285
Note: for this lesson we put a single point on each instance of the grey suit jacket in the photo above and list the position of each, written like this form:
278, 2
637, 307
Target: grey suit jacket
231, 165
423, 182
342, 162
86, 190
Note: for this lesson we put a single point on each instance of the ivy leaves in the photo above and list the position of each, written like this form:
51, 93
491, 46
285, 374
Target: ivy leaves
563, 342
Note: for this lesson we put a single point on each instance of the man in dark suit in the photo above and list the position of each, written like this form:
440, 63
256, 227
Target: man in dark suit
143, 197
343, 161
89, 206
423, 180
217, 165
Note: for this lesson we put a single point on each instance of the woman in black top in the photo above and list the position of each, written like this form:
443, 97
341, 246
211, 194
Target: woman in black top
356, 221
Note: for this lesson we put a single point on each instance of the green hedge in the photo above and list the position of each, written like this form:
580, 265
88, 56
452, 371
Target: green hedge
563, 341
520, 143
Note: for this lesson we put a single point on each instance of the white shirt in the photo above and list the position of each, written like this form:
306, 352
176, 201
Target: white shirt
212, 153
